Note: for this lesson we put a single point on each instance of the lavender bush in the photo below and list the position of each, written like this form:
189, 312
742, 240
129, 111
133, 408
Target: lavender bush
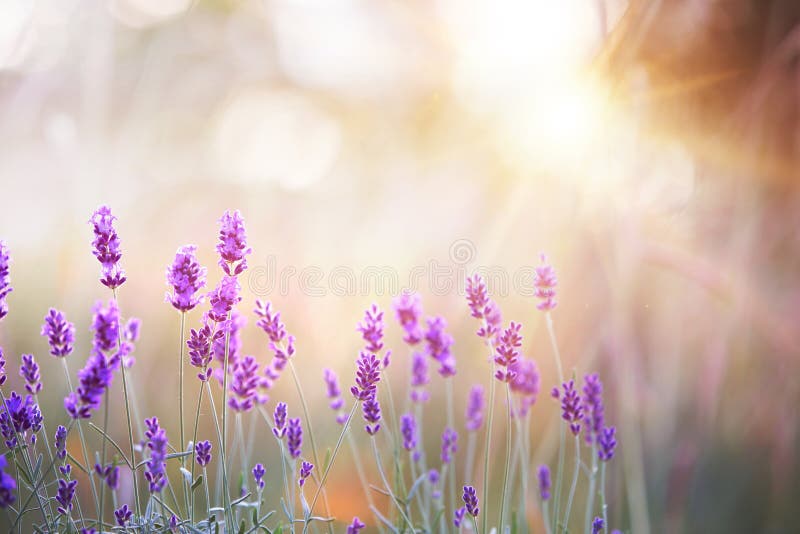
182, 482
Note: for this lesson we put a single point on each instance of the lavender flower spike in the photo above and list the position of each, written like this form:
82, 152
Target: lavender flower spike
419, 378
408, 428
7, 485
294, 437
507, 353
5, 279
232, 247
545, 282
106, 247
334, 393
2, 367
65, 494
356, 526
367, 376
186, 277
371, 329
244, 386
607, 443
474, 412
223, 298
470, 501
597, 525
408, 309
439, 343
258, 475
203, 453
571, 409
449, 445
155, 471
372, 414
59, 332
305, 472
279, 430
458, 516
105, 325
544, 482
29, 370
123, 515
593, 409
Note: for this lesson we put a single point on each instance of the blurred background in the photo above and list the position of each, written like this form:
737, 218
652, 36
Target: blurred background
650, 148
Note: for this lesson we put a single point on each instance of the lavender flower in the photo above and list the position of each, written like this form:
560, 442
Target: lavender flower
65, 494
200, 345
545, 282
571, 409
203, 453
105, 325
449, 445
433, 480
408, 309
474, 413
60, 333
279, 430
155, 471
123, 515
506, 352
458, 516
367, 376
5, 279
94, 379
482, 307
187, 277
232, 247
371, 410
305, 471
29, 370
597, 525
408, 428
106, 247
607, 443
244, 385
109, 473
525, 384
439, 343
544, 482
593, 410
233, 329
334, 393
258, 475
223, 298
61, 442
2, 367
173, 523
371, 329
7, 485
270, 322
356, 526
470, 501
294, 437
17, 416
419, 378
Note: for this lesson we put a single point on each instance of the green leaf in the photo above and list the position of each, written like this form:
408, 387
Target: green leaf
254, 517
197, 482
242, 527
37, 467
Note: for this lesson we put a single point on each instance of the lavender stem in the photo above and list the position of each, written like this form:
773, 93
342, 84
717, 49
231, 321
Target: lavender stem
574, 485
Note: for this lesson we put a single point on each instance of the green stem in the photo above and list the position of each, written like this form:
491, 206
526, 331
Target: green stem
216, 422
226, 498
574, 485
489, 421
83, 443
185, 483
587, 518
562, 425
508, 458
194, 447
387, 487
603, 495
448, 383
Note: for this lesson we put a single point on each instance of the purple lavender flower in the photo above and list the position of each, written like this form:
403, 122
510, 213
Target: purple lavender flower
123, 515
367, 376
223, 298
88, 531
474, 413
371, 329
371, 410
607, 443
7, 485
433, 480
17, 416
449, 445
186, 277
231, 328
419, 378
269, 321
294, 437
305, 471
60, 333
482, 307
109, 473
258, 475
470, 501
597, 525
544, 482
458, 516
279, 430
61, 442
356, 526
203, 453
5, 278
244, 385
232, 247
506, 352
545, 282
106, 247
593, 410
439, 343
2, 367
29, 370
408, 428
94, 379
200, 345
105, 325
65, 494
155, 471
525, 384
571, 409
173, 523
408, 309
334, 393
